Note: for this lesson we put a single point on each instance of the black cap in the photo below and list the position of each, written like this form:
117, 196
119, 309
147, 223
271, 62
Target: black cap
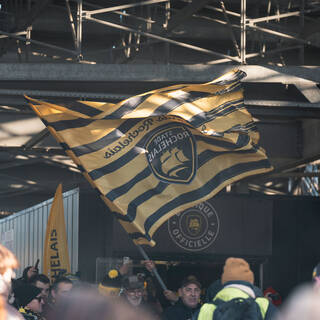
132, 282
112, 279
190, 279
25, 294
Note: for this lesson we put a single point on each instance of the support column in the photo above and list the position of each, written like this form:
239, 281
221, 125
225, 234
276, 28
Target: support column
243, 24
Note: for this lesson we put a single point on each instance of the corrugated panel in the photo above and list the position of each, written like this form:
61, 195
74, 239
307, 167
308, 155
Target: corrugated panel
29, 229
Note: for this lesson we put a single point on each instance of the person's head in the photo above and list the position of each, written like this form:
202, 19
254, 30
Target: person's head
86, 303
61, 288
133, 290
316, 276
273, 296
111, 284
42, 282
237, 269
303, 303
8, 262
189, 292
29, 297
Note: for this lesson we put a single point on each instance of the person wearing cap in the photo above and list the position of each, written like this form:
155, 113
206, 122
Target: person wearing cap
188, 303
133, 290
27, 274
29, 301
237, 284
110, 285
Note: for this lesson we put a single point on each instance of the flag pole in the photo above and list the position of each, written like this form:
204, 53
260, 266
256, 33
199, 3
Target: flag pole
154, 270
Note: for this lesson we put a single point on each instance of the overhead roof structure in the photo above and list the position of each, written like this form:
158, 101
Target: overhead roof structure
99, 50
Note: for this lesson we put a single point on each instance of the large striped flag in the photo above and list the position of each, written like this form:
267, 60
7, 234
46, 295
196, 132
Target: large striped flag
56, 255
160, 152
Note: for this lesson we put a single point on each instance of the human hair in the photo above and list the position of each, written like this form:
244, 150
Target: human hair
60, 280
7, 261
39, 277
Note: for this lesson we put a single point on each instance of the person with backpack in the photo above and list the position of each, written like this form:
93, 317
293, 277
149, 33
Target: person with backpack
237, 298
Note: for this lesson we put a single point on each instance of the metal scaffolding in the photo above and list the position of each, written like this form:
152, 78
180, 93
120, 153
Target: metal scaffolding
269, 28
166, 41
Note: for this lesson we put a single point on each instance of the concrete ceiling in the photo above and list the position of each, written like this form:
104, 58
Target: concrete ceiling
146, 47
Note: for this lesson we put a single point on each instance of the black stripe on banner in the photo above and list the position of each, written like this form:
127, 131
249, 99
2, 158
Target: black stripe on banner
77, 106
130, 155
127, 107
209, 155
120, 216
120, 191
70, 124
203, 158
222, 110
106, 140
233, 87
132, 207
237, 76
250, 126
122, 161
184, 97
200, 193
81, 168
137, 235
242, 141
64, 146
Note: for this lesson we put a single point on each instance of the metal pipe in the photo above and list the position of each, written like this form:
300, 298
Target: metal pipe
79, 30
72, 24
243, 24
232, 35
151, 35
125, 6
40, 43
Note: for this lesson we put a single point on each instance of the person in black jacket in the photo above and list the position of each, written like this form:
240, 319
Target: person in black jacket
27, 275
188, 303
29, 301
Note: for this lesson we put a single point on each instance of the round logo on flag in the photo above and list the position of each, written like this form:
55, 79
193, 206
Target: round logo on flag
196, 228
171, 154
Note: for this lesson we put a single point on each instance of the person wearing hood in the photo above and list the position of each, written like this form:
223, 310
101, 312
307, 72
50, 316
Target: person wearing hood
237, 295
29, 301
27, 275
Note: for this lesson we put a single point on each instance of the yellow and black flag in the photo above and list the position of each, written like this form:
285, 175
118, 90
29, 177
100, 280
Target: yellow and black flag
160, 152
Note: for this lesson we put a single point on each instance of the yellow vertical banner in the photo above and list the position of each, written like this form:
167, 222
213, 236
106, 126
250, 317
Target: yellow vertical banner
56, 255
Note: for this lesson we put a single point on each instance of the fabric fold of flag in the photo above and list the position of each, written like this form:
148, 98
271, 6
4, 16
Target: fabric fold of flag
155, 154
56, 255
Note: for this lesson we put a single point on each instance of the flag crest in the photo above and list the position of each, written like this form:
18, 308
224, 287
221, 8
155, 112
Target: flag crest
155, 154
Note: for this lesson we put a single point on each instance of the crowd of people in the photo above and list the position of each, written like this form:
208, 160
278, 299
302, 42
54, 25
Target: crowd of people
123, 295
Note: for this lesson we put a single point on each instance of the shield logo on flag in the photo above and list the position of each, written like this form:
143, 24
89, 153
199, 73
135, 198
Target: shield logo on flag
171, 154
194, 224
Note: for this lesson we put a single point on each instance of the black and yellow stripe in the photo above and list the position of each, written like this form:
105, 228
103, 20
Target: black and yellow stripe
109, 143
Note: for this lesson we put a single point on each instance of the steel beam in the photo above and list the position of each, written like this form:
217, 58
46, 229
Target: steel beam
161, 38
154, 73
122, 7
